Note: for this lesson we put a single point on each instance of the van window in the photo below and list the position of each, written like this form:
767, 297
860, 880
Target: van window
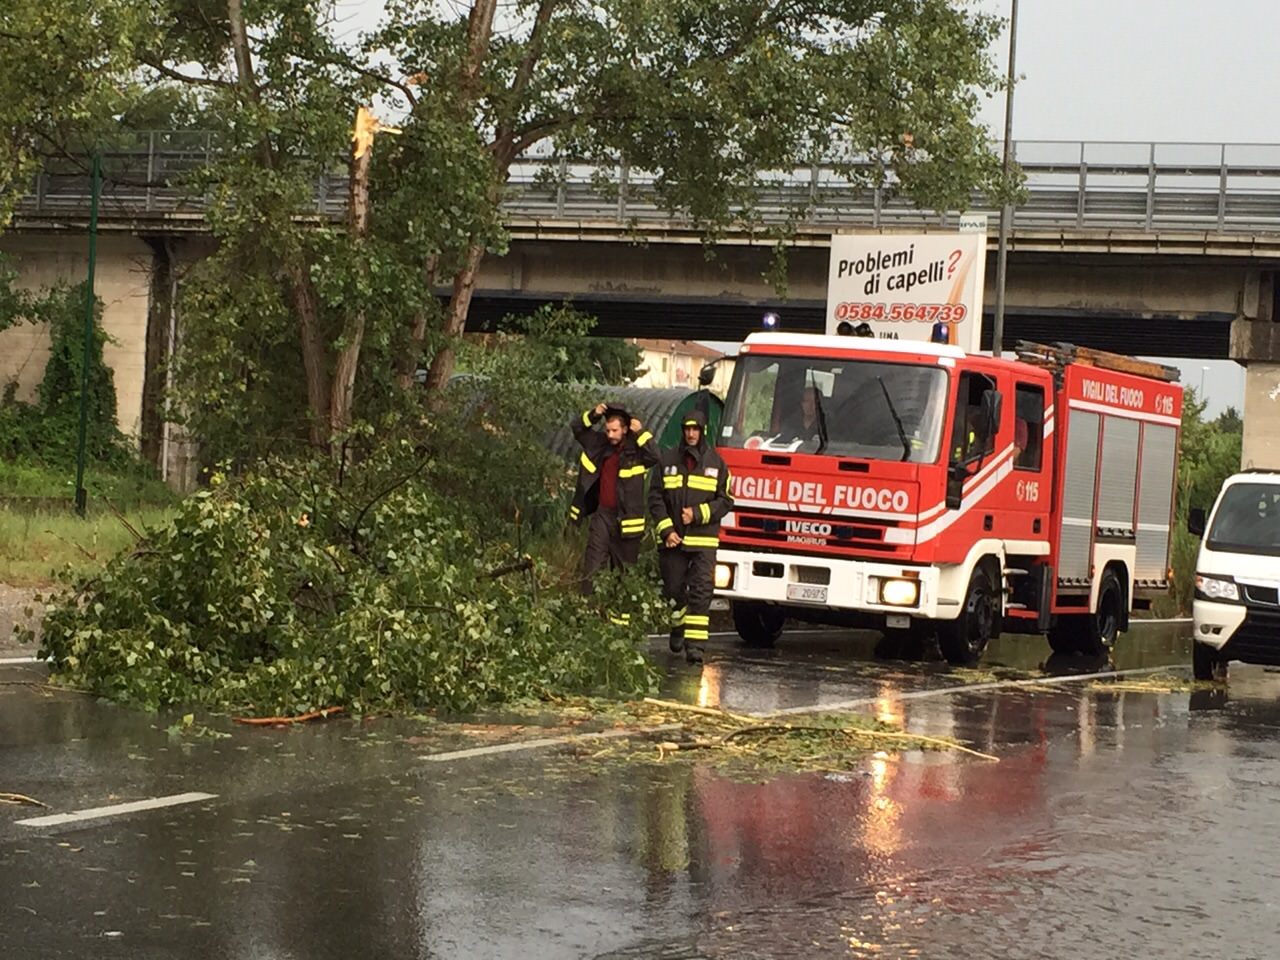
1247, 519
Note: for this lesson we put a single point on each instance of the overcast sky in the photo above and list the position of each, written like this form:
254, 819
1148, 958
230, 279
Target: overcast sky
1167, 70
1136, 70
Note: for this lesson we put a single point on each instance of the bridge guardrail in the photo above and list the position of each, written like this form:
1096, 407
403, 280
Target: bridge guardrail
1071, 185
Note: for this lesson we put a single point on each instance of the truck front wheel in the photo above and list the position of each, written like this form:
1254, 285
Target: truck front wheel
758, 624
962, 640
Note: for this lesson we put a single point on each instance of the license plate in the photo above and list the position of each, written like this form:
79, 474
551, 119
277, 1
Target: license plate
807, 592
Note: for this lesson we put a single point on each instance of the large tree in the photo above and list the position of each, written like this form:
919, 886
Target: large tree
310, 319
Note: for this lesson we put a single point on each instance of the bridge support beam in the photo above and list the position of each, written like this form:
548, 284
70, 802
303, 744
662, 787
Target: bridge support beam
1255, 343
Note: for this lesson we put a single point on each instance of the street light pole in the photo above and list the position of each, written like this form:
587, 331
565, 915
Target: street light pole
89, 303
1006, 211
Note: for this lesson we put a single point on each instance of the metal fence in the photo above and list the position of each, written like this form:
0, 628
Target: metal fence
1071, 185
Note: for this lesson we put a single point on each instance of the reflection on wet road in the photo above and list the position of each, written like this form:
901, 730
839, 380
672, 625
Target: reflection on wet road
1117, 823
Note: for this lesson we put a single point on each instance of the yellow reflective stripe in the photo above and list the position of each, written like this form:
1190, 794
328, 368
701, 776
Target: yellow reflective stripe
698, 619
587, 465
586, 418
621, 621
700, 542
637, 524
673, 482
702, 483
691, 633
644, 438
636, 471
705, 509
575, 512
677, 616
665, 524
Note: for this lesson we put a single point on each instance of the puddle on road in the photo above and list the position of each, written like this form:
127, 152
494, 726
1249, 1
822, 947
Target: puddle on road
1079, 842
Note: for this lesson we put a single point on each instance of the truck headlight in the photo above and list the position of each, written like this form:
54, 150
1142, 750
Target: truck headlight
1215, 588
724, 576
900, 593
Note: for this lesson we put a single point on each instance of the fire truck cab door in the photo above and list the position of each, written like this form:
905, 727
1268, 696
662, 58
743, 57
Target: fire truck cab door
974, 431
1032, 463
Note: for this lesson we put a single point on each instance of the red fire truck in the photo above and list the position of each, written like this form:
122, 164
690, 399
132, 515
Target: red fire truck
922, 491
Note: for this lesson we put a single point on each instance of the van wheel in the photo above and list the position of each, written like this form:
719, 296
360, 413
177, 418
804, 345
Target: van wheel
1207, 663
1092, 634
962, 640
758, 624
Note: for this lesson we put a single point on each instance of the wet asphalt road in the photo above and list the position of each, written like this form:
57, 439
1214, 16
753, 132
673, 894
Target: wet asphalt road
1117, 823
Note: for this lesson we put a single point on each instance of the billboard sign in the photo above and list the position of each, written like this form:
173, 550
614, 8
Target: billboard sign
909, 286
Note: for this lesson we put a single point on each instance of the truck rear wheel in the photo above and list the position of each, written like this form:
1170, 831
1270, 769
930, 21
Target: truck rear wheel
1092, 634
962, 640
758, 624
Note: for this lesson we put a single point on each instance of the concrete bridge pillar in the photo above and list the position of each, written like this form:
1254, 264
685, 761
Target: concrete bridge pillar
1255, 343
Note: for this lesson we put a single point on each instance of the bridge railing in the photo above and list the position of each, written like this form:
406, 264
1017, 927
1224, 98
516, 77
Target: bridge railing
1071, 185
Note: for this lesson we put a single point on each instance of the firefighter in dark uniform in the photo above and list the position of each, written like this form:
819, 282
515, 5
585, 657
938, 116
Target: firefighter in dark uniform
610, 488
688, 496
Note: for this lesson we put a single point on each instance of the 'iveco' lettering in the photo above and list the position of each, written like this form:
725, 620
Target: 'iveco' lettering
809, 527
872, 498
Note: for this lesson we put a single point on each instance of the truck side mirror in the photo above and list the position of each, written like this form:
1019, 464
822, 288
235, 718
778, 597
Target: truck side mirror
707, 374
1196, 522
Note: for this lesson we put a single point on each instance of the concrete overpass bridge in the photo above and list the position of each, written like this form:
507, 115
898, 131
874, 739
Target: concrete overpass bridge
1151, 248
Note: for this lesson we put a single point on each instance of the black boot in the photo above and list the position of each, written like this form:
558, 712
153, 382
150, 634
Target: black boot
676, 641
693, 653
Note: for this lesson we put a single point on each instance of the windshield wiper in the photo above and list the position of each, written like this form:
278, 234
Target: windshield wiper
897, 420
822, 417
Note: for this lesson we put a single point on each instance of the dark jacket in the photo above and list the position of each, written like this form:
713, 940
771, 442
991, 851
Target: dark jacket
635, 456
705, 488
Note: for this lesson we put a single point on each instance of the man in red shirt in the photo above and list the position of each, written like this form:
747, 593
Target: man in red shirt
610, 489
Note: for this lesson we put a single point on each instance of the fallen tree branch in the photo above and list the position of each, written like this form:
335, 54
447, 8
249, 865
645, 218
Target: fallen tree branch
515, 566
857, 732
121, 517
280, 721
18, 798
701, 711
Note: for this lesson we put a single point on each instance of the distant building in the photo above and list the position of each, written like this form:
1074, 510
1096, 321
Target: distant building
676, 363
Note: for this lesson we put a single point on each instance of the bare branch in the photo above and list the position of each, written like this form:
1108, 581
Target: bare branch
172, 74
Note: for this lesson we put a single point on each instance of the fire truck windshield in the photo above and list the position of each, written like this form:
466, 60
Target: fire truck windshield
844, 408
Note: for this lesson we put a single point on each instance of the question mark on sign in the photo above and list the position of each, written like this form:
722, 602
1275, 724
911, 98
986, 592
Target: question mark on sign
952, 261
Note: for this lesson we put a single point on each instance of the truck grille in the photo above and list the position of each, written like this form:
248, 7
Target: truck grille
1263, 595
1258, 639
771, 528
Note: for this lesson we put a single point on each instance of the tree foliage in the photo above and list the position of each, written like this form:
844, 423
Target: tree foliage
330, 318
48, 430
66, 77
283, 592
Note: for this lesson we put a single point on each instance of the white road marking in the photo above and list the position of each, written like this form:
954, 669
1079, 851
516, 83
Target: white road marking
115, 810
543, 742
6, 661
965, 688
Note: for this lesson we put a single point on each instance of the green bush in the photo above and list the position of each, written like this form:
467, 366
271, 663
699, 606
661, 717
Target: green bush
285, 591
47, 431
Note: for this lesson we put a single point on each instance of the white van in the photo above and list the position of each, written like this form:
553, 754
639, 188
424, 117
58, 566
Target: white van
1237, 601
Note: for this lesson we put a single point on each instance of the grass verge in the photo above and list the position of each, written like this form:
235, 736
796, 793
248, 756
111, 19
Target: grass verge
36, 545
